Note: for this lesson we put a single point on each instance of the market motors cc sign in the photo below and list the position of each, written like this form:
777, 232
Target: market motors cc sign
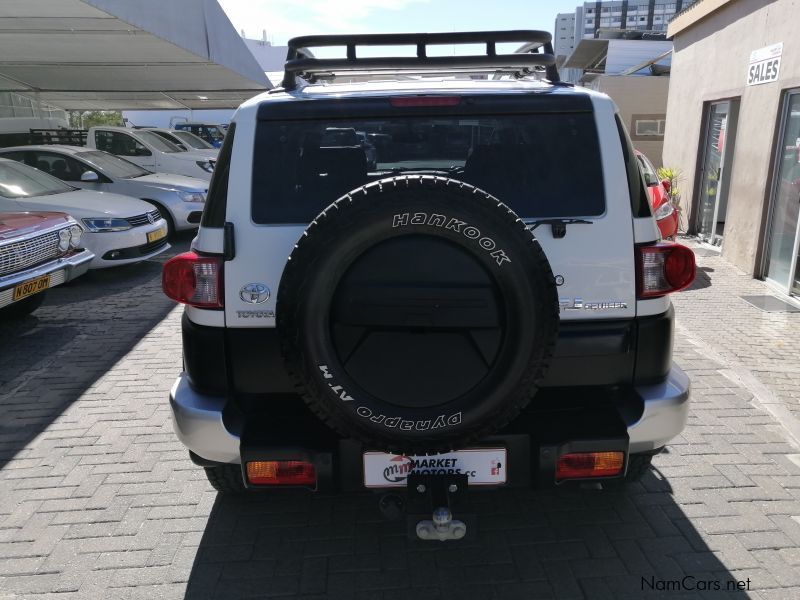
765, 64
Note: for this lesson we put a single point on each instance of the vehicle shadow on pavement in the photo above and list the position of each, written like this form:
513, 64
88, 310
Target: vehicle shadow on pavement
627, 542
51, 358
703, 278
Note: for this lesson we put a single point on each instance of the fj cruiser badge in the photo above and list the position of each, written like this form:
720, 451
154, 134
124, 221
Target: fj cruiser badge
566, 304
254, 293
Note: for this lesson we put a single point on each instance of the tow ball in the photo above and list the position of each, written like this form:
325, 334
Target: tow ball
433, 500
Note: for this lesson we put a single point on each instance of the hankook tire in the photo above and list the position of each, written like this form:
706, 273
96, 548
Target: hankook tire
417, 314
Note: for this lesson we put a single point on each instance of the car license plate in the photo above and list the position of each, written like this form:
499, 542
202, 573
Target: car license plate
483, 466
156, 235
31, 287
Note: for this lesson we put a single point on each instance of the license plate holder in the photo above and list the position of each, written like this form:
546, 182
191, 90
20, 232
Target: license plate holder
31, 287
483, 467
154, 236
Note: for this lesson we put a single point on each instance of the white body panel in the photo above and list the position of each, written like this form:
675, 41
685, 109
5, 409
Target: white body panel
596, 261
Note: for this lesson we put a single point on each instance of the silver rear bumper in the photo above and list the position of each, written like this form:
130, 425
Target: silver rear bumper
197, 418
666, 407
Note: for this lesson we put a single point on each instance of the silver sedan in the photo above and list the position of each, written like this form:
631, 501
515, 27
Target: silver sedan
180, 199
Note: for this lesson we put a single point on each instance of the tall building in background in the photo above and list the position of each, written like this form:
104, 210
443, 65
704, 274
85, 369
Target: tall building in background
564, 34
591, 18
641, 15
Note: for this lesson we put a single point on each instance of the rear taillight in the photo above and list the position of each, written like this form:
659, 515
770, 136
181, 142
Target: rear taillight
194, 280
281, 472
581, 465
663, 268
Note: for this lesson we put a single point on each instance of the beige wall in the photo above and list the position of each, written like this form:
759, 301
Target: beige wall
638, 95
710, 62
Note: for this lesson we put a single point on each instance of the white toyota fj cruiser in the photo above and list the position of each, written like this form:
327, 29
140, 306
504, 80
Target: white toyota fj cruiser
486, 306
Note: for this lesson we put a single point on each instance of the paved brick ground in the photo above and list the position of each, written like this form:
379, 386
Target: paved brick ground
98, 499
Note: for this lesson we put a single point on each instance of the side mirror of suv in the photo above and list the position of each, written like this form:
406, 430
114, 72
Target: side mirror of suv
90, 177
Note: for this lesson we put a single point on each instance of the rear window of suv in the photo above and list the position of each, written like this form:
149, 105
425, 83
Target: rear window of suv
542, 165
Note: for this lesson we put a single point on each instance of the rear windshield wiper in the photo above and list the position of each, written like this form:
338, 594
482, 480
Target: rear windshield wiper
557, 226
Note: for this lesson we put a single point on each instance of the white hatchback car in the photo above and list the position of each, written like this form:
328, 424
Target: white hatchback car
179, 199
119, 229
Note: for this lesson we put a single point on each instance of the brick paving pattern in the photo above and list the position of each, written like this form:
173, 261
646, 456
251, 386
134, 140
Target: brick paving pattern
99, 500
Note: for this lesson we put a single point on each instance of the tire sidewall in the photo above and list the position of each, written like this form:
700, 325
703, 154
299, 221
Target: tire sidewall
383, 216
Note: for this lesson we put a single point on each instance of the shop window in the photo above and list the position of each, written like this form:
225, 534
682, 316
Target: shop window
649, 127
783, 264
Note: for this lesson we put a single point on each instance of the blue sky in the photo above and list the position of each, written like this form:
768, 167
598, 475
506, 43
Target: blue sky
283, 19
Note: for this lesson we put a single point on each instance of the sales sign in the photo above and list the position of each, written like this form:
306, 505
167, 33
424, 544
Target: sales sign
765, 64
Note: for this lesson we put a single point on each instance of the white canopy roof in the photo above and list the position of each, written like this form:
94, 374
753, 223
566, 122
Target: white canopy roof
124, 54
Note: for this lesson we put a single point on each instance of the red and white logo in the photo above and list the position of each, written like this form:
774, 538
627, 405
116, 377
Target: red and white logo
399, 469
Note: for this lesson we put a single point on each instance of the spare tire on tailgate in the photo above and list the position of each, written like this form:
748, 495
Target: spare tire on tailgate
417, 314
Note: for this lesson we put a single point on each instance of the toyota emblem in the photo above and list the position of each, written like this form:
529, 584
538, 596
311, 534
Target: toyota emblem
254, 293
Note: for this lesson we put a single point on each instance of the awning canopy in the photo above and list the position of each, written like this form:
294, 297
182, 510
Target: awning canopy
587, 54
123, 54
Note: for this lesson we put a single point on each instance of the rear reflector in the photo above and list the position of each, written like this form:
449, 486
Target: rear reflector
663, 268
281, 472
581, 465
194, 280
426, 101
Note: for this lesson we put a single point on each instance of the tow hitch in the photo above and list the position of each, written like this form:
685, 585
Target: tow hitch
432, 504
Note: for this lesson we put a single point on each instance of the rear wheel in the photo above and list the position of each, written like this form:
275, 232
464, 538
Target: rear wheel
226, 479
22, 308
638, 465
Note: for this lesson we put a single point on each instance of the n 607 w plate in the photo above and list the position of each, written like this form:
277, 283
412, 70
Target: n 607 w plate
483, 466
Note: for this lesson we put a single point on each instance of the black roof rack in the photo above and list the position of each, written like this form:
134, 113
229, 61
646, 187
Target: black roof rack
537, 44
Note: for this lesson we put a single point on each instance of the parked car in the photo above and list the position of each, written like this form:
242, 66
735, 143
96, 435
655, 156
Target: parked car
210, 133
179, 199
118, 229
38, 251
188, 142
498, 317
149, 151
658, 192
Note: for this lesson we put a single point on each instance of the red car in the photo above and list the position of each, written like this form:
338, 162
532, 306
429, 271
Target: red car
38, 250
664, 212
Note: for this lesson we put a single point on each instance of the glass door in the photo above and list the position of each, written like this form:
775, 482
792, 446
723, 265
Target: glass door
783, 267
718, 153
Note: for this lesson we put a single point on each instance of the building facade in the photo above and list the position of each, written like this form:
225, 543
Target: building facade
564, 34
733, 130
642, 15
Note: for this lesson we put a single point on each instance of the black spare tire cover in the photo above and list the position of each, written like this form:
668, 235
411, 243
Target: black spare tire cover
417, 314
